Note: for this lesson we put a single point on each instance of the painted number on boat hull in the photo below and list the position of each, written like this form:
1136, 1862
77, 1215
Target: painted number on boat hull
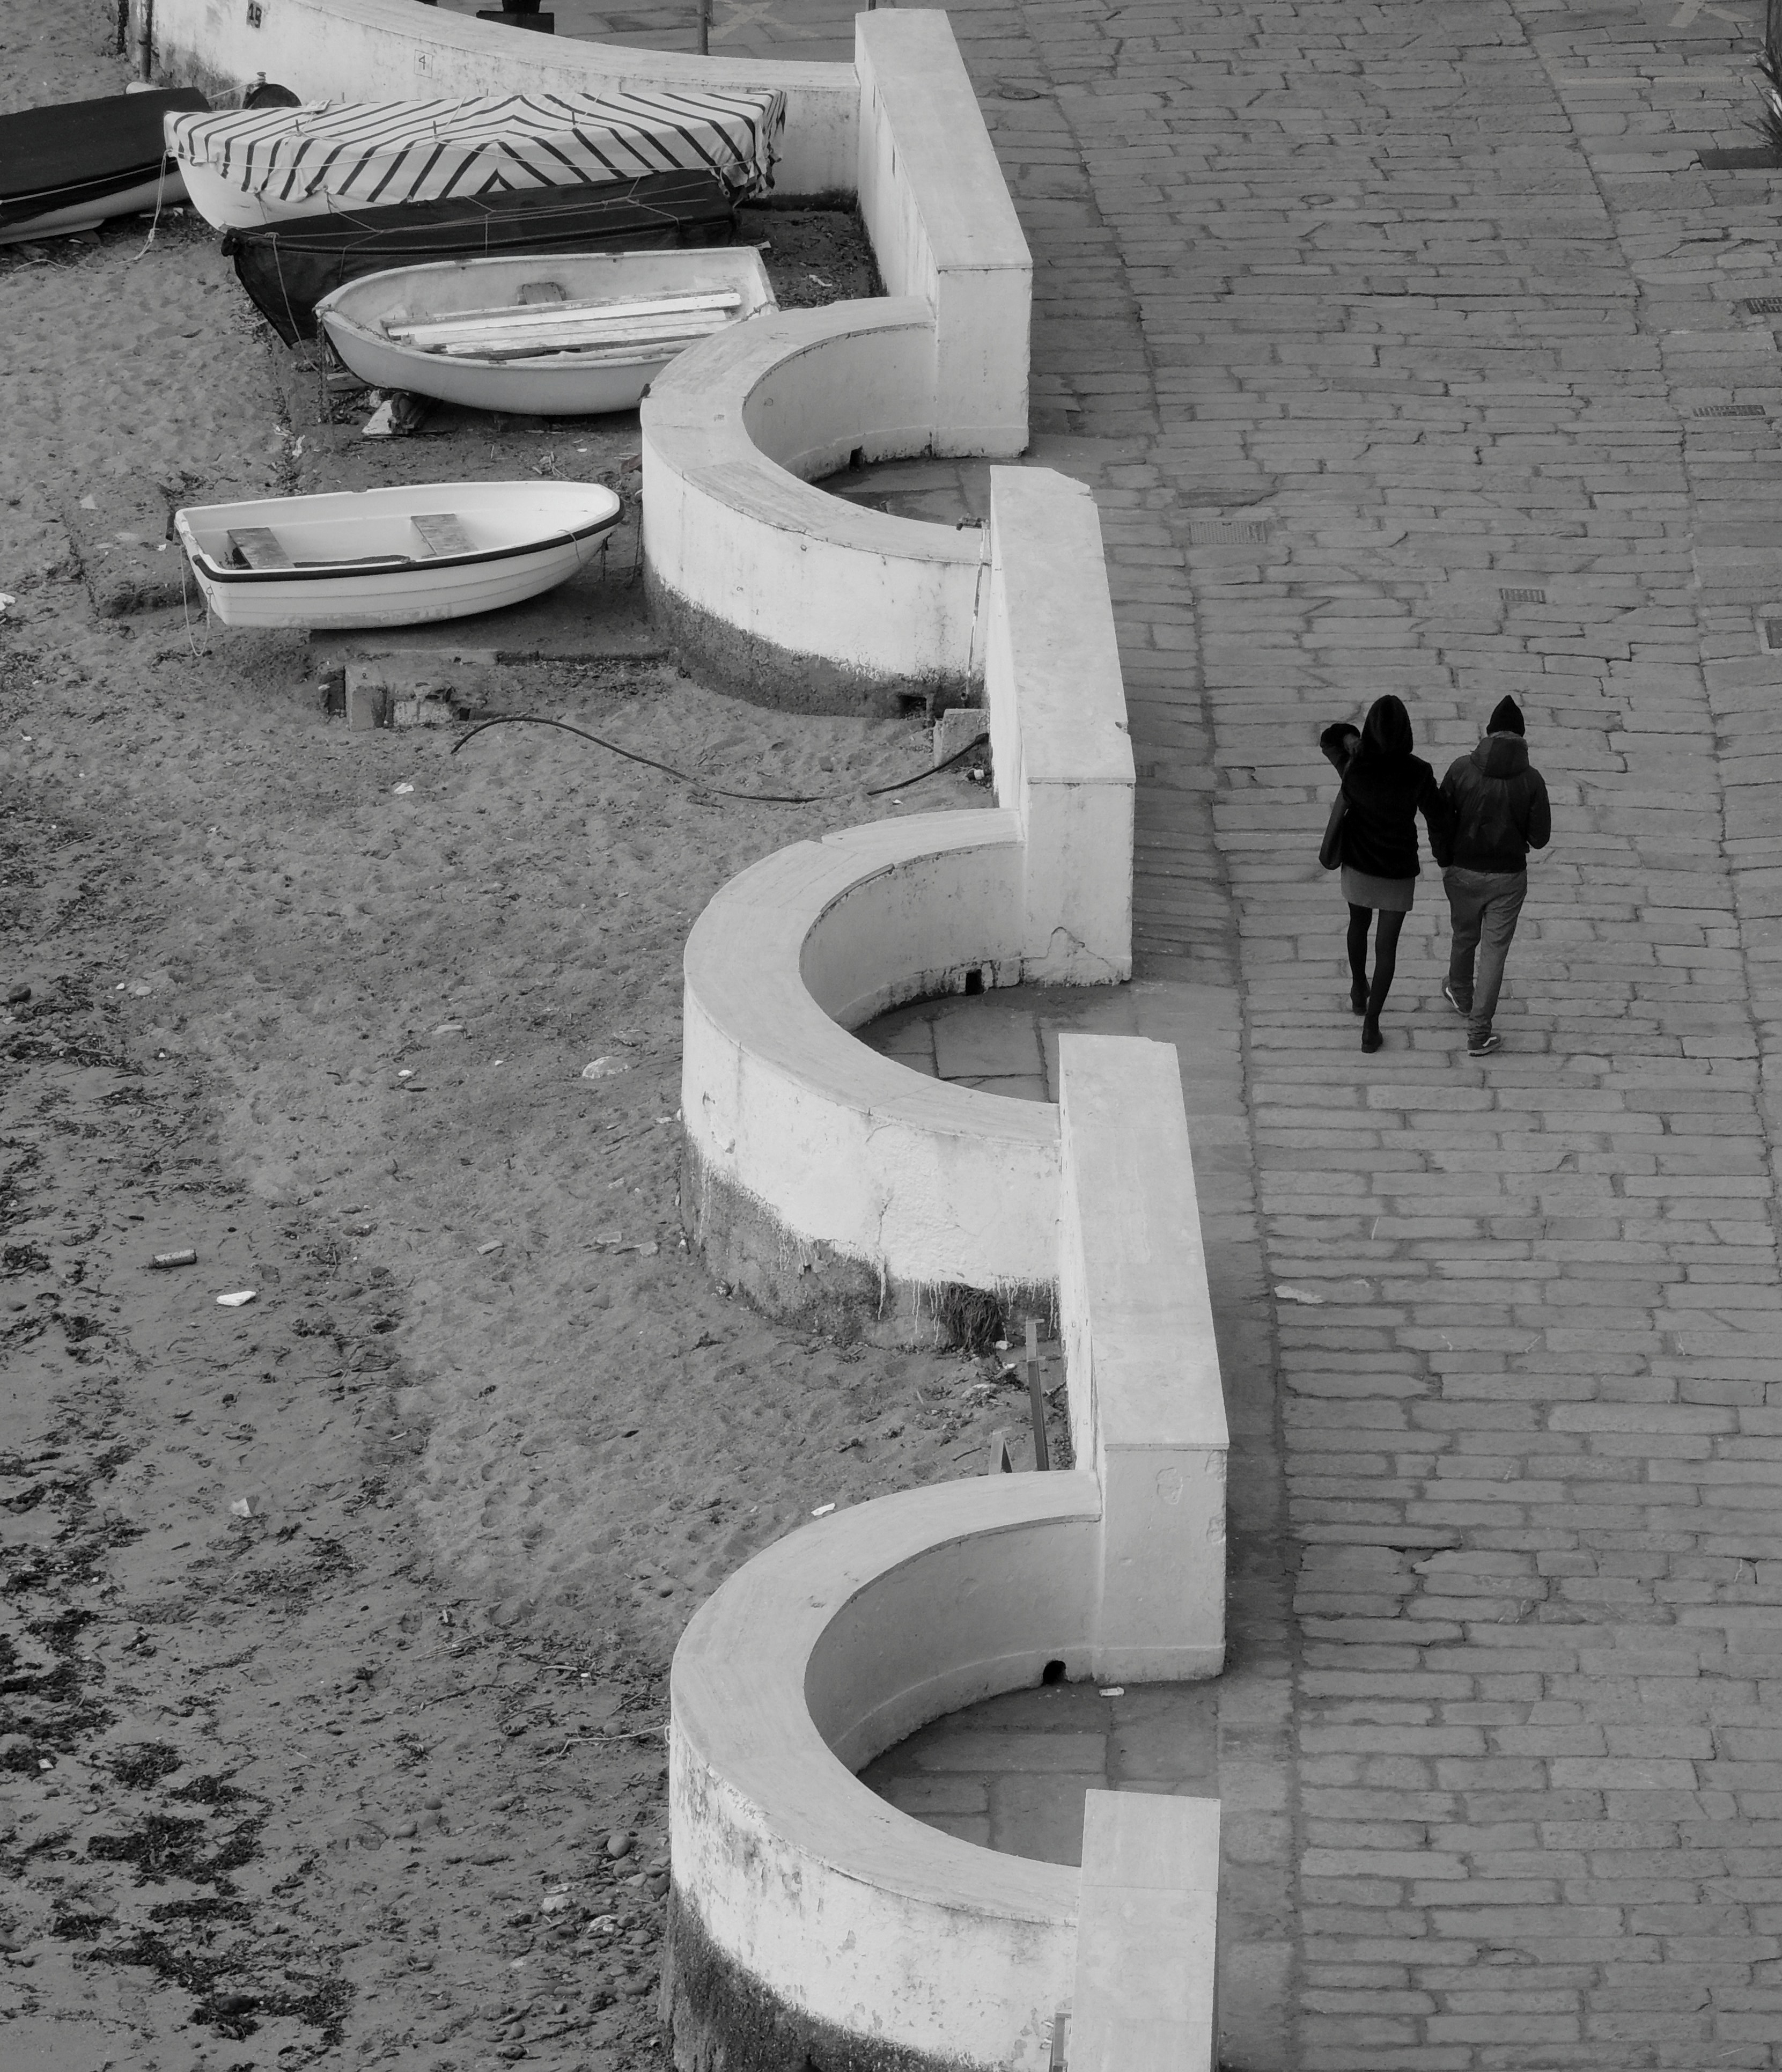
255, 14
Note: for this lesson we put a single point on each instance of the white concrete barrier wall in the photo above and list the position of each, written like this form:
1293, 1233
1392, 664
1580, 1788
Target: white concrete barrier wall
1146, 1936
805, 1147
801, 599
784, 591
842, 1151
1058, 733
808, 1912
1146, 1399
377, 50
942, 225
811, 1917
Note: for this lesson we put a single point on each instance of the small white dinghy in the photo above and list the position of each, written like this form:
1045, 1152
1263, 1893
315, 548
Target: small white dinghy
567, 336
392, 557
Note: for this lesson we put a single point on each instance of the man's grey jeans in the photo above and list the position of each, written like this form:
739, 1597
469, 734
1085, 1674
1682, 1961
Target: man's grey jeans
1484, 905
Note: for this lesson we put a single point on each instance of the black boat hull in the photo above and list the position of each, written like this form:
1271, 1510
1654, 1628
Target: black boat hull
82, 154
288, 267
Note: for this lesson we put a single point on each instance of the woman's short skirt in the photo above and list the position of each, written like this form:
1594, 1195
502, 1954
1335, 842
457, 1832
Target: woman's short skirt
1387, 895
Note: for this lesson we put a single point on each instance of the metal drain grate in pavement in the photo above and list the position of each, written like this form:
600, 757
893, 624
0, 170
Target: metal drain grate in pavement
1769, 632
1228, 532
1523, 596
1762, 306
1730, 410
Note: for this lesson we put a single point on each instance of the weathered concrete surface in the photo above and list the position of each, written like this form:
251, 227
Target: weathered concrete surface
720, 2019
749, 665
769, 582
823, 1650
820, 1289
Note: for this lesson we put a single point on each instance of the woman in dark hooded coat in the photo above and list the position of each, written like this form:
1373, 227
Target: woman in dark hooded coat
1385, 787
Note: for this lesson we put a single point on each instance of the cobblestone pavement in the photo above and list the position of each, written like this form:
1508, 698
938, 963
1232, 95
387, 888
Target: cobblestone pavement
1358, 318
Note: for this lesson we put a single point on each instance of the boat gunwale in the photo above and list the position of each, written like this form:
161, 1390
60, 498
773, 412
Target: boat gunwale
570, 361
387, 564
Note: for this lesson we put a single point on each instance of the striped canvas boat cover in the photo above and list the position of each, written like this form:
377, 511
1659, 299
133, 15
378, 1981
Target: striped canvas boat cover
381, 153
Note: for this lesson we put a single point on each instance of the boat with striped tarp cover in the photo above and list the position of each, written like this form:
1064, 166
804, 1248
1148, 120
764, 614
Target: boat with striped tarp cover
253, 167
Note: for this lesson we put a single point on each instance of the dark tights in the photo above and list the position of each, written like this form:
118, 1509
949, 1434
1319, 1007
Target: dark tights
1385, 954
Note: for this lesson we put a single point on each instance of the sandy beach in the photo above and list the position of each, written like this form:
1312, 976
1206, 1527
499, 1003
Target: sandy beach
337, 1623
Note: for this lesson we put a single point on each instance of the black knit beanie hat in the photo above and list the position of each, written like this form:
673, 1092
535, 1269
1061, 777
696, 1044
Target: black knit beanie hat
1506, 717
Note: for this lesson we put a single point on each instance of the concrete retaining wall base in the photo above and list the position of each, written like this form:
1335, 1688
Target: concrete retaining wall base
747, 666
810, 1285
720, 2019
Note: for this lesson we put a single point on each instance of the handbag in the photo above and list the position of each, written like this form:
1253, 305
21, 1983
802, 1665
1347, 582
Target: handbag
1330, 849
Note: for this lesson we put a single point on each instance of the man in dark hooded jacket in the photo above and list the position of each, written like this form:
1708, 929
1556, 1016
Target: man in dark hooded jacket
1499, 807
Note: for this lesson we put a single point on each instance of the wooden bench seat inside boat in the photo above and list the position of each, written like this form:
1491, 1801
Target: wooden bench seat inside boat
255, 547
620, 317
442, 532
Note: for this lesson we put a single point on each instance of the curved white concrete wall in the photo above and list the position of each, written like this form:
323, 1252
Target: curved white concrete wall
841, 1149
802, 382
814, 1922
398, 50
798, 597
783, 590
831, 1151
843, 1912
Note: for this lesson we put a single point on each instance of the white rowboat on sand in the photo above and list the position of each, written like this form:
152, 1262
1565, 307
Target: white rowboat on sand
563, 336
392, 557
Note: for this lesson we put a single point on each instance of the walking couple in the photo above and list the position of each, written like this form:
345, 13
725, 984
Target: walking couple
1485, 816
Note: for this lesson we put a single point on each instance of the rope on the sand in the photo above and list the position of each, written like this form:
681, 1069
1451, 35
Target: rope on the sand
198, 655
160, 189
718, 790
